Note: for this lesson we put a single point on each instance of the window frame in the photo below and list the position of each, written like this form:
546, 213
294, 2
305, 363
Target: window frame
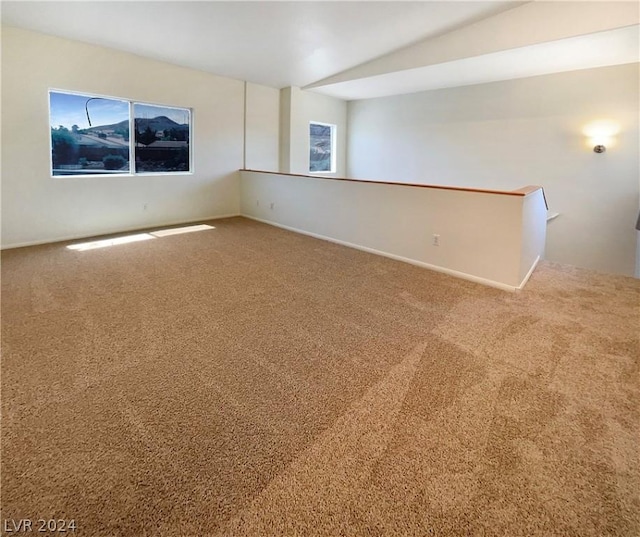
132, 141
333, 166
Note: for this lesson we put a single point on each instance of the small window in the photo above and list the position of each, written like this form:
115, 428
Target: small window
322, 143
162, 138
90, 135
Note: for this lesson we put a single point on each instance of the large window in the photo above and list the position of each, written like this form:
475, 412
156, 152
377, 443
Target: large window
91, 135
322, 147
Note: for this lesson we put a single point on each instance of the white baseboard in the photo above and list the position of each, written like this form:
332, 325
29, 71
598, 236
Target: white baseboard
436, 268
113, 232
526, 278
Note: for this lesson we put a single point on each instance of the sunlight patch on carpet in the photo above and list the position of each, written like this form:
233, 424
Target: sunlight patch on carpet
81, 247
103, 243
179, 230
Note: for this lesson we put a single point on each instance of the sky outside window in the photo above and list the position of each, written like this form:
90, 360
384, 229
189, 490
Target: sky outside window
68, 109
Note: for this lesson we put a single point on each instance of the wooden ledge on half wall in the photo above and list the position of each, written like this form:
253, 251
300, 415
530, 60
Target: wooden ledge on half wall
523, 191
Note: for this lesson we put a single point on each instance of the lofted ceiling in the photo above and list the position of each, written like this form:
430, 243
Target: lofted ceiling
344, 49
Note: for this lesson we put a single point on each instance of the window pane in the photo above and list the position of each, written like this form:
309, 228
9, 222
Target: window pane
162, 138
89, 135
320, 146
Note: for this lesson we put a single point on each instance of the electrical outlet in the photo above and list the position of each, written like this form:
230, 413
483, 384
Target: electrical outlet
436, 239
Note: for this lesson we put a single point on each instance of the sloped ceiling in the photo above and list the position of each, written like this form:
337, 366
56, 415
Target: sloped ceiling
351, 50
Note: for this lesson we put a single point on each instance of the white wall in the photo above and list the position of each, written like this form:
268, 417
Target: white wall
507, 134
483, 236
637, 273
534, 211
262, 127
38, 208
285, 130
298, 109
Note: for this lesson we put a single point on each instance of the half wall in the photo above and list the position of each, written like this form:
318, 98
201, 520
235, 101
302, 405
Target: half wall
491, 237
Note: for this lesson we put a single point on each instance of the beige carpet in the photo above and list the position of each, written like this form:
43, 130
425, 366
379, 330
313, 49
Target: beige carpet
249, 381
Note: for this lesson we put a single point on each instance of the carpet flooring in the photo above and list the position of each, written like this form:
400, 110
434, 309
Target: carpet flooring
250, 381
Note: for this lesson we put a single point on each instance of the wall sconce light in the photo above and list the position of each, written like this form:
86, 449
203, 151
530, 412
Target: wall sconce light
601, 134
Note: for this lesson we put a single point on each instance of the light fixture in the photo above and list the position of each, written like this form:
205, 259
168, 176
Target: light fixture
601, 134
